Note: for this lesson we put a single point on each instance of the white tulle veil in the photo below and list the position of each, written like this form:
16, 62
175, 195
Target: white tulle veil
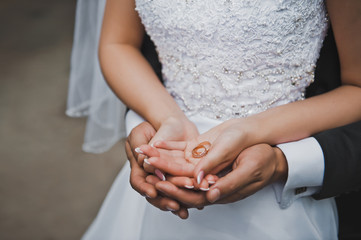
89, 95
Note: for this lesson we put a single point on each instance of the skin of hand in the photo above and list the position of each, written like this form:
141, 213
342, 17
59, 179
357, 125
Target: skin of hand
172, 161
227, 140
256, 167
174, 129
144, 133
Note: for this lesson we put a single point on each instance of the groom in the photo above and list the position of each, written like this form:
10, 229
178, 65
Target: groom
341, 149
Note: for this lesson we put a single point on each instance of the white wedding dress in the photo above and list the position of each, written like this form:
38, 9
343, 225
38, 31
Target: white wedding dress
226, 59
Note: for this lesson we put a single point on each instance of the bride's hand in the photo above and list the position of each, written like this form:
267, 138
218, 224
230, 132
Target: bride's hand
174, 129
227, 141
171, 159
142, 134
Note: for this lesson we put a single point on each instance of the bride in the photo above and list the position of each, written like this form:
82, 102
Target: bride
234, 73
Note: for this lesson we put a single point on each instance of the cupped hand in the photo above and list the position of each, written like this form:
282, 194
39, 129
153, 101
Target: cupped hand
144, 133
171, 160
140, 135
173, 129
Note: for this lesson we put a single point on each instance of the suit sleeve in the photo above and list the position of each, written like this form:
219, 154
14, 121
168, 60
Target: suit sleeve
342, 154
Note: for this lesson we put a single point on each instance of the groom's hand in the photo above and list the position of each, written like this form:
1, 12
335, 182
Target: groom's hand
254, 168
140, 135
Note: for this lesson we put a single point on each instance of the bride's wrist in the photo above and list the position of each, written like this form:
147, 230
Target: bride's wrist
249, 131
175, 118
168, 117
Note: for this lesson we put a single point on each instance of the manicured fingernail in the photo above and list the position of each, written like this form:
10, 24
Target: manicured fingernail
200, 177
170, 209
159, 174
152, 145
214, 195
211, 182
189, 187
137, 150
146, 161
204, 189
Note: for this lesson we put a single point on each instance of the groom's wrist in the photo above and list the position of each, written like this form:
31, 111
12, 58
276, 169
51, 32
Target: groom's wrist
281, 171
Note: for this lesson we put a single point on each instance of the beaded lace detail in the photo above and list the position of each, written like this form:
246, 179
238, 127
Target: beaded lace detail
233, 58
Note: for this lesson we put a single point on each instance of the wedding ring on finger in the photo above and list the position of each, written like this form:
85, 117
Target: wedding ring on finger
201, 150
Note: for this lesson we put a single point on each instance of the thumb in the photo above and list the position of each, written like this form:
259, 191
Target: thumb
232, 182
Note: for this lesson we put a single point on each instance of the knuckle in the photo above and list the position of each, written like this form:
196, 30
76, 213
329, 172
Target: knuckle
134, 186
198, 203
257, 175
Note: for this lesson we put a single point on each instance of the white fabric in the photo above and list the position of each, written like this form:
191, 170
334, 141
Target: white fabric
126, 215
305, 169
224, 59
89, 94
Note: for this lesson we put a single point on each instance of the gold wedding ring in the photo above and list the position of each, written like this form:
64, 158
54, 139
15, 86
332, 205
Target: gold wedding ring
201, 150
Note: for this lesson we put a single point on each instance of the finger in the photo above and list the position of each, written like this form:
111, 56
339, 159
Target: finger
177, 168
171, 145
140, 135
230, 183
147, 167
148, 150
187, 197
211, 179
130, 153
151, 179
234, 197
138, 179
204, 186
182, 182
140, 159
164, 203
159, 175
241, 194
183, 213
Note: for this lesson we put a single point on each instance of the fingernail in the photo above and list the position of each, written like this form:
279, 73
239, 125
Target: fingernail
204, 189
170, 209
146, 161
147, 196
152, 145
211, 182
137, 150
200, 177
214, 195
189, 187
159, 174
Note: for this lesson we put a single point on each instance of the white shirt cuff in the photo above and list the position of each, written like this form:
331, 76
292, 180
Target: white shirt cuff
132, 120
305, 171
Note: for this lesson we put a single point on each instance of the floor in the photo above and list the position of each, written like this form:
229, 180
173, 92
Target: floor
49, 188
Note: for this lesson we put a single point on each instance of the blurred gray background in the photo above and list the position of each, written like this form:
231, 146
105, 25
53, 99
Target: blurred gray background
49, 188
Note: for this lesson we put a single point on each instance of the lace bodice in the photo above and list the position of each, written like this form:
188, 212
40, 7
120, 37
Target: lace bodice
233, 58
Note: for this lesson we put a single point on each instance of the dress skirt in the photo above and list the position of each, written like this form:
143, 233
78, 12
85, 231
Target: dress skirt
126, 215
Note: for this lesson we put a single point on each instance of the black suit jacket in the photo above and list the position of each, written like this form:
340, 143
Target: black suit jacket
341, 146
